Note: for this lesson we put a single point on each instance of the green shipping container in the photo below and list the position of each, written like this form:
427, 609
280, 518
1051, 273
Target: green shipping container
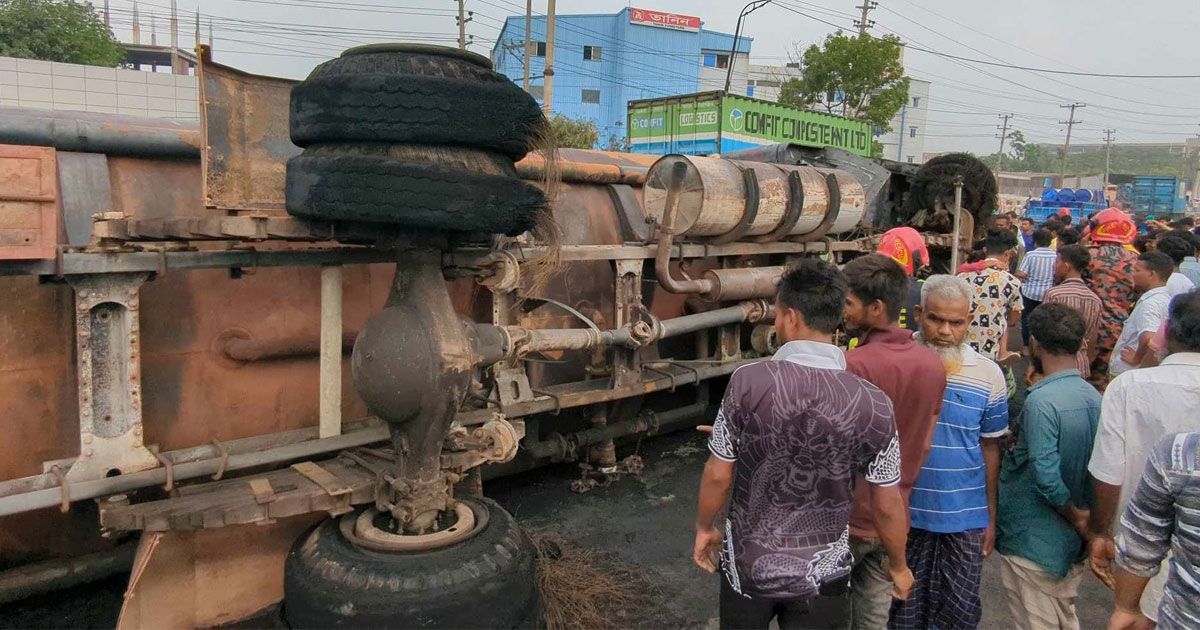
712, 122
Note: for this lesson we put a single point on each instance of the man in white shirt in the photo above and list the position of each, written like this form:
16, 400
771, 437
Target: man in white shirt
1140, 408
1178, 247
1135, 345
1036, 274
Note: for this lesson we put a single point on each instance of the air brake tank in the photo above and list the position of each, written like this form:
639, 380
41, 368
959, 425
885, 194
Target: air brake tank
712, 200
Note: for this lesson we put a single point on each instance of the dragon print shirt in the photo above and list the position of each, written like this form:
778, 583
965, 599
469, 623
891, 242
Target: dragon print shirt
799, 429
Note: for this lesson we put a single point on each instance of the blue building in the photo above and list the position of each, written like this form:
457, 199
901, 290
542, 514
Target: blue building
601, 62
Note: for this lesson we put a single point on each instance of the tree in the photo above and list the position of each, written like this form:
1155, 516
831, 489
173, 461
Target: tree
57, 30
574, 134
859, 77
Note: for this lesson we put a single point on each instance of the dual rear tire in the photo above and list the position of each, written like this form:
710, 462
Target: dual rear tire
485, 581
415, 136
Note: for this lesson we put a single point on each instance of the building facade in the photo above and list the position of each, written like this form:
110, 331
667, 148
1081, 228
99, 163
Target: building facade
603, 61
764, 82
906, 140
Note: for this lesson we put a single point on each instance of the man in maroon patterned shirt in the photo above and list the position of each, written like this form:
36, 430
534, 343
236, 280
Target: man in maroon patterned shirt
791, 436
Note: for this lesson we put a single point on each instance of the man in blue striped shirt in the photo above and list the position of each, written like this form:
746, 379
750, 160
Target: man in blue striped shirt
1036, 275
953, 503
1163, 516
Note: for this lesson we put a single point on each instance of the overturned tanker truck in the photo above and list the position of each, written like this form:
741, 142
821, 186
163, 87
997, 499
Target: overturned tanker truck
272, 358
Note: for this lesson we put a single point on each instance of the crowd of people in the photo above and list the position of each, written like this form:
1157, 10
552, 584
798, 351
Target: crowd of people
864, 488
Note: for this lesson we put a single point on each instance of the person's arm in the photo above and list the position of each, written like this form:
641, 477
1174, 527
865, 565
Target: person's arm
889, 515
1023, 269
1093, 335
1141, 355
1127, 612
715, 485
991, 461
717, 479
1107, 468
891, 522
993, 430
1040, 432
1146, 530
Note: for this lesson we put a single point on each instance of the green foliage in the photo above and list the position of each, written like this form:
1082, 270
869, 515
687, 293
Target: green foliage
858, 77
574, 134
619, 144
1020, 155
57, 30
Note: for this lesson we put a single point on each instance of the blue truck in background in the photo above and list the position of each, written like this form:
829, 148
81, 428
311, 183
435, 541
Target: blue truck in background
1154, 195
1157, 196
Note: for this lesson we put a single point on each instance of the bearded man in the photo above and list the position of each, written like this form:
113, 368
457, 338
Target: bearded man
953, 503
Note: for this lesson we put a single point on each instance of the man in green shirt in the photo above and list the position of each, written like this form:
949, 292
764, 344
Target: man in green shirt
1045, 492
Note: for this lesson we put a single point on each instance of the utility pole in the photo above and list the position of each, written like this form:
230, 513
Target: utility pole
528, 25
1003, 137
174, 25
862, 24
548, 83
1070, 123
1108, 137
750, 7
464, 16
137, 26
107, 24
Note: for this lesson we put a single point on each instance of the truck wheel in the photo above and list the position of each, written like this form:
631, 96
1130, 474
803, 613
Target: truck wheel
414, 94
487, 580
369, 184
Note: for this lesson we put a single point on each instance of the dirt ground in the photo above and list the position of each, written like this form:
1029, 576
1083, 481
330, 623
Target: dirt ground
646, 521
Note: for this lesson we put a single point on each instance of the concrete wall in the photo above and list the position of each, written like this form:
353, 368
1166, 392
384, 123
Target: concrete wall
64, 86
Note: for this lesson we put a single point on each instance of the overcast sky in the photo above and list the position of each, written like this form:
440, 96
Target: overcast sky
288, 37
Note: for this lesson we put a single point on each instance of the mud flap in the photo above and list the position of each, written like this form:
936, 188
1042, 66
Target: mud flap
208, 577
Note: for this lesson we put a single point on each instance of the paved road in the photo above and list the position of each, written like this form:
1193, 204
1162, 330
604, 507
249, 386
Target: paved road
646, 521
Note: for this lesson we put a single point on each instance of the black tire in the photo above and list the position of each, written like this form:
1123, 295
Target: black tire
417, 96
345, 185
486, 581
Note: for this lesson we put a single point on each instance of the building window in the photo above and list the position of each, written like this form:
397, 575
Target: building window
912, 132
590, 96
537, 92
539, 49
916, 101
591, 53
713, 60
768, 84
911, 160
749, 90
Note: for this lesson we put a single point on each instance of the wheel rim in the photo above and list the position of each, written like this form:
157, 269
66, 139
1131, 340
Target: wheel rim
360, 529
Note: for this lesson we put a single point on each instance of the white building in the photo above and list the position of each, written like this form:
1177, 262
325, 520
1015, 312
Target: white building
764, 81
906, 141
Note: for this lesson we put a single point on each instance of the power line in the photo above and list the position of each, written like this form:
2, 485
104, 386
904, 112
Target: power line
1052, 71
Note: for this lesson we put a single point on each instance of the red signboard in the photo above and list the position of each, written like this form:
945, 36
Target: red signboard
646, 17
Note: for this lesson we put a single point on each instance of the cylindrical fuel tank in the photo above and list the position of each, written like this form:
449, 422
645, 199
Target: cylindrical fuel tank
712, 200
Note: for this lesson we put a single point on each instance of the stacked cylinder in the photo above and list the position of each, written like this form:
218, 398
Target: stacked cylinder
712, 198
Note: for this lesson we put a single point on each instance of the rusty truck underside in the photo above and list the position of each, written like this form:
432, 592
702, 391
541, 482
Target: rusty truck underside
176, 348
